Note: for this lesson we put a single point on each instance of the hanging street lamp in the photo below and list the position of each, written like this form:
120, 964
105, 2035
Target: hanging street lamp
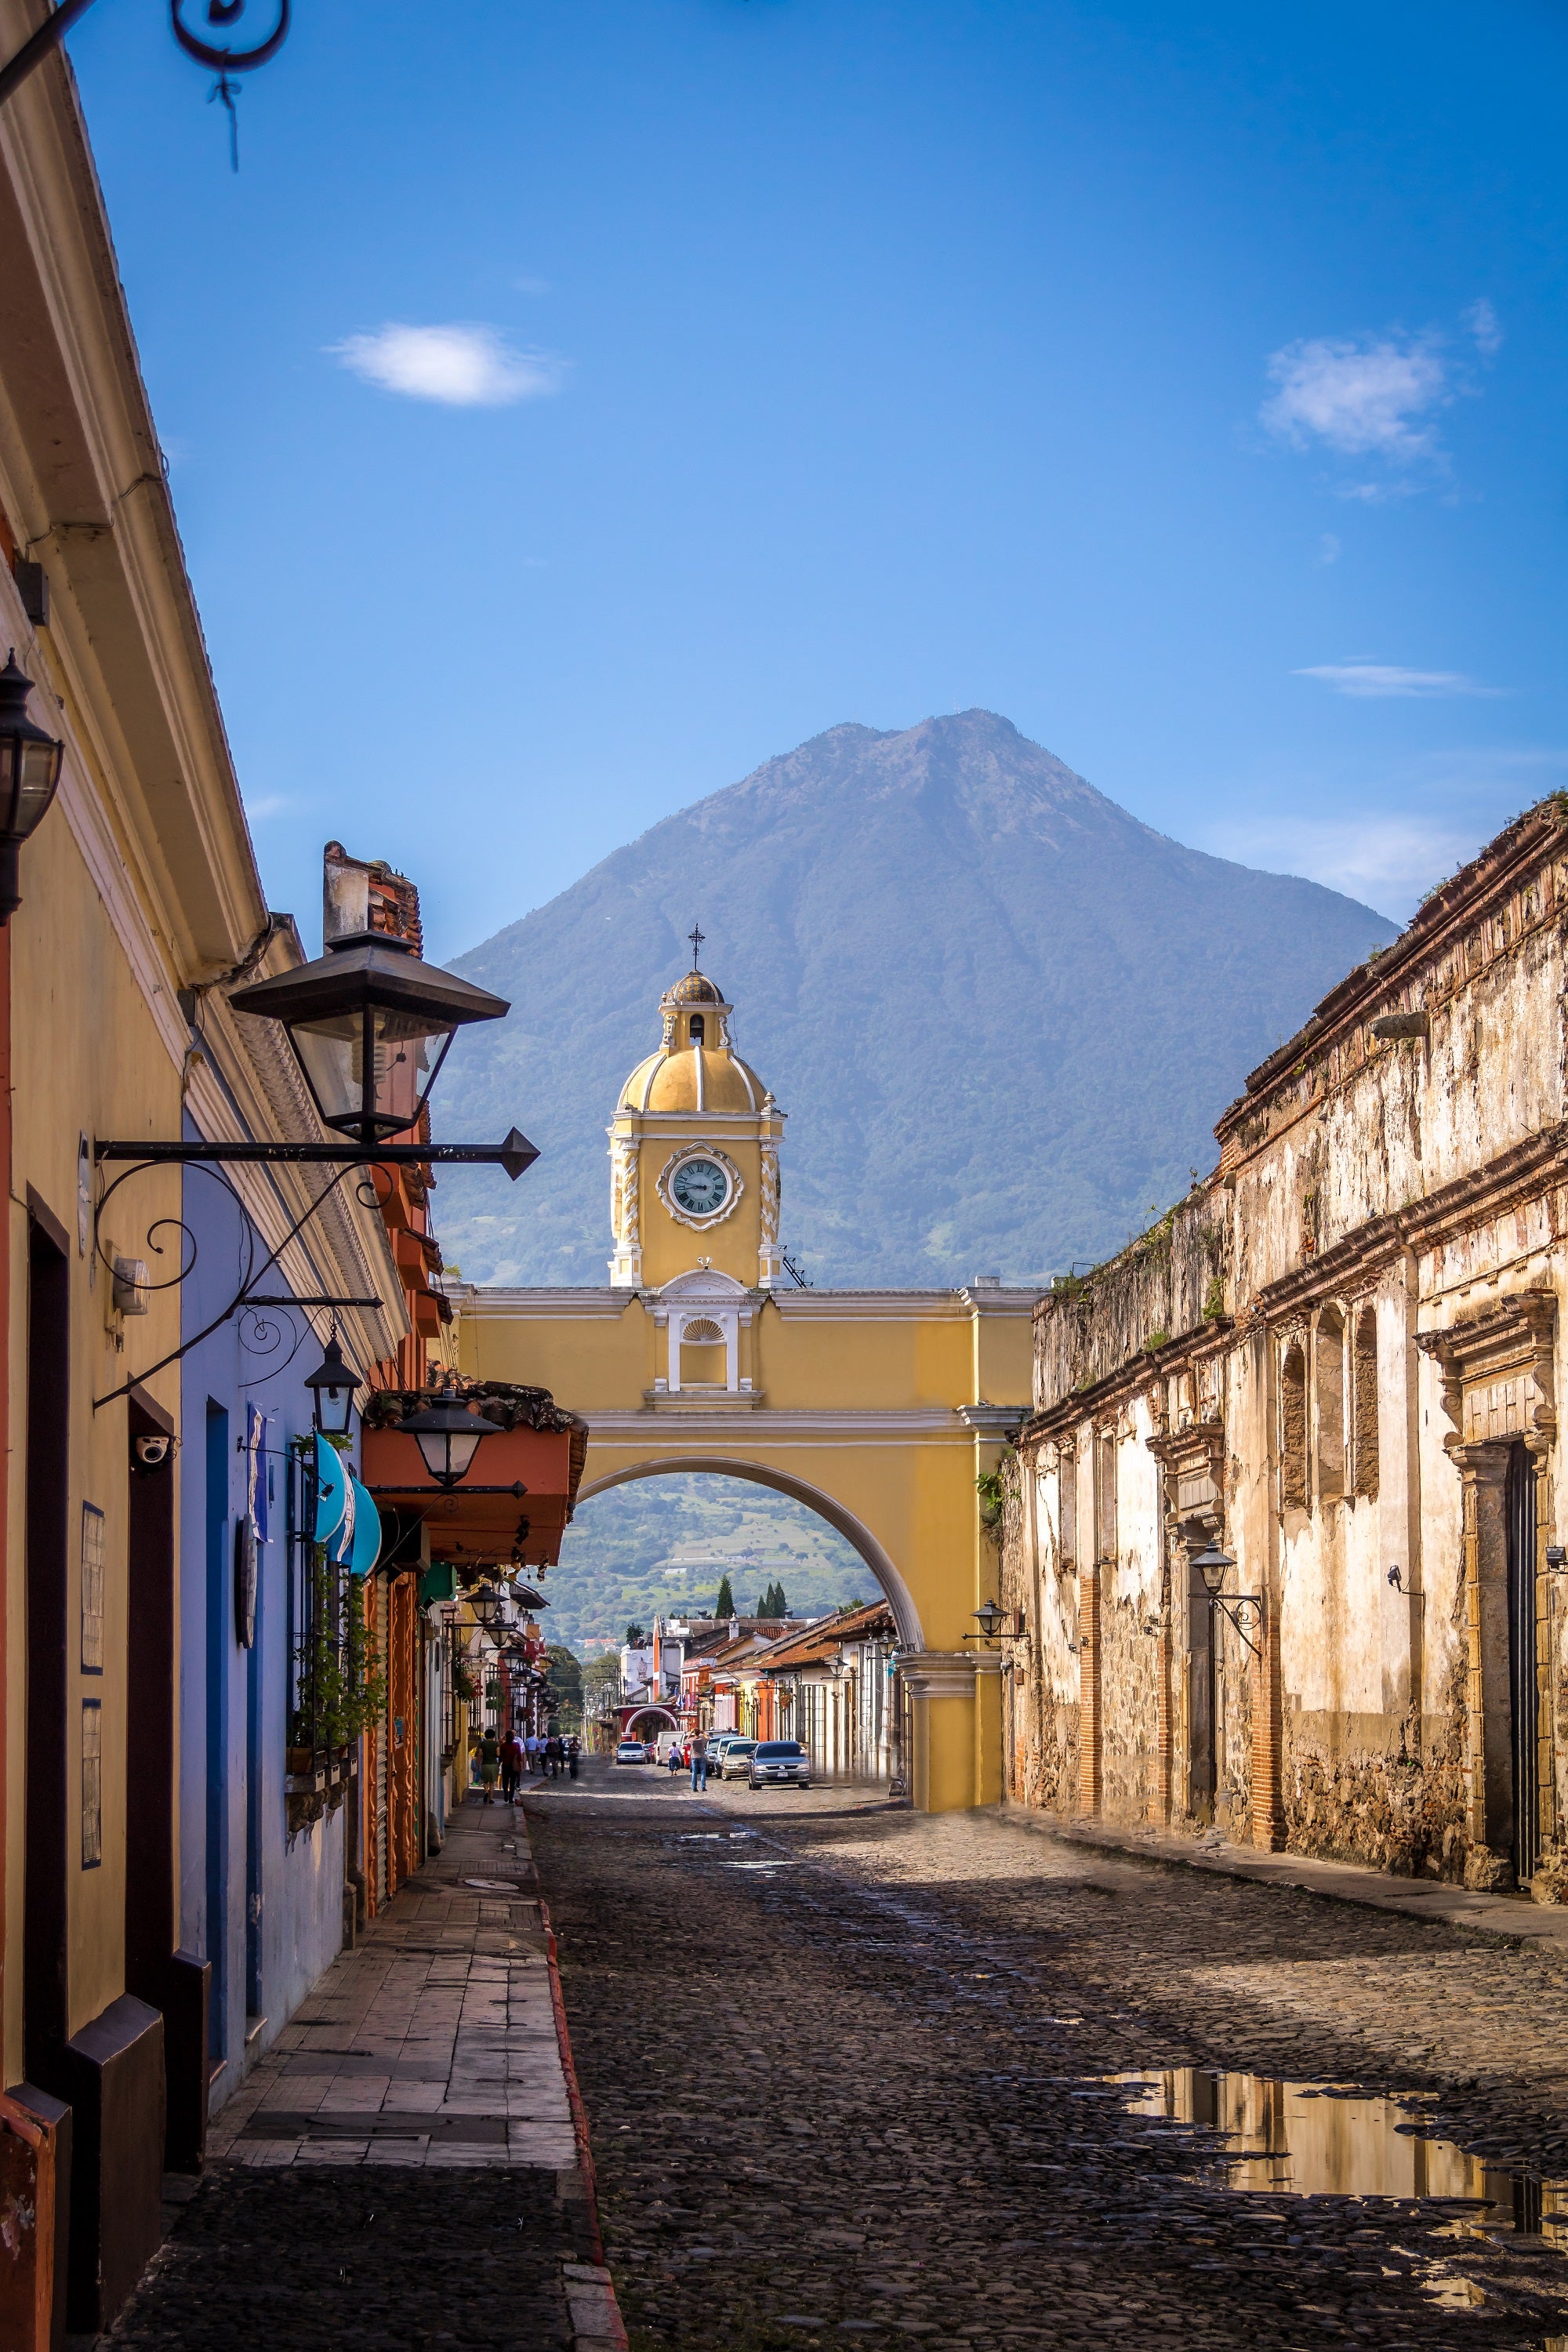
331, 1387
30, 776
1214, 1566
990, 1620
488, 1605
449, 1436
371, 1025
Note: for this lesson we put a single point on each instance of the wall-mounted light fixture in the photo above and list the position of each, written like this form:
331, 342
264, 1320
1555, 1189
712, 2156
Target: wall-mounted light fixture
29, 778
449, 1436
1214, 1565
331, 1387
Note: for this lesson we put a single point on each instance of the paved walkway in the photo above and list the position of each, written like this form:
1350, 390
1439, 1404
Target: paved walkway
405, 2168
433, 2041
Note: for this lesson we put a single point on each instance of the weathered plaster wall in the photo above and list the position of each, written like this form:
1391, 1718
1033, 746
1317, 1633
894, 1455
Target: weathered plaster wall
1280, 1366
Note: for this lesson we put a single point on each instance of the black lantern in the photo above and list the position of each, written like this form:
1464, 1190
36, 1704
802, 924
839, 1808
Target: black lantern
489, 1604
29, 773
331, 1387
370, 1025
990, 1620
447, 1435
1212, 1565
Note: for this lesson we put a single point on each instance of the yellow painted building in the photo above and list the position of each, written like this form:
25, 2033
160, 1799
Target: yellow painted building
880, 1409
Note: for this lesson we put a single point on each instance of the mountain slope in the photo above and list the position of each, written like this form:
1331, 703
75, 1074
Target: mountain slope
1002, 1013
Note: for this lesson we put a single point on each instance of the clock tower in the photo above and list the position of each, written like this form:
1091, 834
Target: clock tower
694, 1145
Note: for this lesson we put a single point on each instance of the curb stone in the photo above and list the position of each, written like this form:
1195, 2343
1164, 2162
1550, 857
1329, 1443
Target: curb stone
596, 2315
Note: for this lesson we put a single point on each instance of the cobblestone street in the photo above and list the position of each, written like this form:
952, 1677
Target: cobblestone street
842, 2067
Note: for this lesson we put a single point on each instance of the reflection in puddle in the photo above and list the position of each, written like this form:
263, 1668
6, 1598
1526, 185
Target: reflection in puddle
1302, 2140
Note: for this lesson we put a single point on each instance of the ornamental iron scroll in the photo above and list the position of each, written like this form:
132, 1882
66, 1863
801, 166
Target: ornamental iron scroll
225, 59
259, 1334
250, 47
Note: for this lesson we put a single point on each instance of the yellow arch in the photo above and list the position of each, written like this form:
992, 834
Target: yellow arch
906, 1616
878, 1410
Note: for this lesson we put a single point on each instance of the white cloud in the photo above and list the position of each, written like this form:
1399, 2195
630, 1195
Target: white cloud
1482, 321
1360, 399
268, 805
1385, 861
1369, 681
461, 366
1329, 549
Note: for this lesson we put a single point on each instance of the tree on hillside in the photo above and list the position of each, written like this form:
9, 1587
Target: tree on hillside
602, 1685
566, 1671
772, 1603
725, 1604
636, 1638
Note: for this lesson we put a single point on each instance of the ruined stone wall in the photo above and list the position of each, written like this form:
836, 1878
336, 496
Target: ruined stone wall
1280, 1363
1170, 1281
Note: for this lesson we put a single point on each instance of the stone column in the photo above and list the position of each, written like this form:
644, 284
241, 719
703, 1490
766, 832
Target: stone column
1489, 1716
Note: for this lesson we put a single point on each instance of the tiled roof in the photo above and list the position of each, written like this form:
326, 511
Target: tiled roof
830, 1634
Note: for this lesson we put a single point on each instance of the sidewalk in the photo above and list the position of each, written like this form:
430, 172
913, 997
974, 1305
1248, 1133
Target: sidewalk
426, 2085
1512, 1916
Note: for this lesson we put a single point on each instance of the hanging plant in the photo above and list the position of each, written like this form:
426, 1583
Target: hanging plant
342, 1680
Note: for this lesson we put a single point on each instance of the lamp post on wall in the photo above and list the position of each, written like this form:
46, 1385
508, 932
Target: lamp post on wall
331, 1387
449, 1436
29, 778
1214, 1565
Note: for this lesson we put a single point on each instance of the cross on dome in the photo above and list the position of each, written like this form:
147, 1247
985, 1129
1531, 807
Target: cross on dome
696, 938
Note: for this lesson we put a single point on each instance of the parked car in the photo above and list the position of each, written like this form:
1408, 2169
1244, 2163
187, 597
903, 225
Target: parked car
717, 1743
779, 1759
736, 1759
632, 1751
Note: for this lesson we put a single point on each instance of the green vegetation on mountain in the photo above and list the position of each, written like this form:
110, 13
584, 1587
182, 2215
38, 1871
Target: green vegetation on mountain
1002, 1013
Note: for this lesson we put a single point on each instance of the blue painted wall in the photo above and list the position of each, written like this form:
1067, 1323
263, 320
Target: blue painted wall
266, 1912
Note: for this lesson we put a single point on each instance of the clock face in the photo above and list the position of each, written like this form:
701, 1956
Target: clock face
699, 1187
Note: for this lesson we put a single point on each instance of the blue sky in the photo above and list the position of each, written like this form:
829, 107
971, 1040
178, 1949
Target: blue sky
570, 406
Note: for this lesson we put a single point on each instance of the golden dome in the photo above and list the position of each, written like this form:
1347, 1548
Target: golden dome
694, 1079
695, 989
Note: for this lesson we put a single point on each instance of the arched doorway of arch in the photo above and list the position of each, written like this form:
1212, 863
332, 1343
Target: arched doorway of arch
755, 1604
801, 1490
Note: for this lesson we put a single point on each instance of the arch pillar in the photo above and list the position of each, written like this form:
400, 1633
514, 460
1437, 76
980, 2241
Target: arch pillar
957, 1697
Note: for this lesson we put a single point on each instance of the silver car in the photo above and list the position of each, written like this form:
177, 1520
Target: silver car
779, 1759
736, 1759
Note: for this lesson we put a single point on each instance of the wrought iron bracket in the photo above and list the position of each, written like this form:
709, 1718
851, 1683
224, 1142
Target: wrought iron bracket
515, 1154
1230, 1603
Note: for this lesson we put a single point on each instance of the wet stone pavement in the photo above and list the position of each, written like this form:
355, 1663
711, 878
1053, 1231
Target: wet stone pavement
843, 2068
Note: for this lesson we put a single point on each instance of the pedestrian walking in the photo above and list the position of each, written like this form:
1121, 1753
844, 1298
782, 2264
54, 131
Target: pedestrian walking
510, 1766
699, 1759
532, 1744
554, 1759
673, 1759
490, 1764
573, 1750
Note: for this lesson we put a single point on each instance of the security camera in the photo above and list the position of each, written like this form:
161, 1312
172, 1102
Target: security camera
151, 1453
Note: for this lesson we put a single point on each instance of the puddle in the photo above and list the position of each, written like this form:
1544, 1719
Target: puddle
1311, 2139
